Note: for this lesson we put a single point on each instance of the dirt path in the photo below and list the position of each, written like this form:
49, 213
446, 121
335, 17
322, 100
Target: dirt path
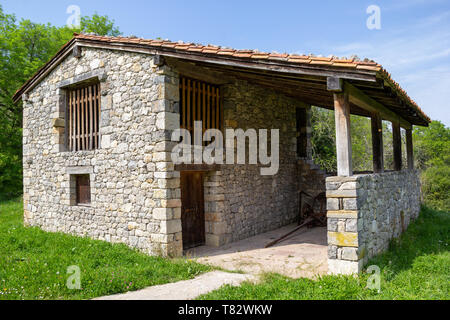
184, 290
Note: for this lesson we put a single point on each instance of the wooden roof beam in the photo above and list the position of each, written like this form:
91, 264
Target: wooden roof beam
360, 99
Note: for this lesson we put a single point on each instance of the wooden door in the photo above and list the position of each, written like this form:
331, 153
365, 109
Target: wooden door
192, 209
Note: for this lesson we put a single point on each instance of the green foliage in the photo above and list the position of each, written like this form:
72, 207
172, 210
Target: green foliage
24, 47
360, 128
33, 263
432, 144
417, 266
100, 25
436, 186
323, 140
432, 156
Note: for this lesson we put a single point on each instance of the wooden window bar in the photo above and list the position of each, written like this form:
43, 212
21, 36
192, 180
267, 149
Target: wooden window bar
83, 117
200, 101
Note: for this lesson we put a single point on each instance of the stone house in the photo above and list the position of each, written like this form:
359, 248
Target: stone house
97, 125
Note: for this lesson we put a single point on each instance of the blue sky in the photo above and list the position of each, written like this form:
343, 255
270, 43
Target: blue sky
413, 43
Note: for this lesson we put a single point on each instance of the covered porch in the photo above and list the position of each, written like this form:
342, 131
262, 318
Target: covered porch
303, 254
364, 211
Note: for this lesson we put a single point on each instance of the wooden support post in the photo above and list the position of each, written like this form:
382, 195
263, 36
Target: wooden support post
377, 143
397, 144
343, 138
409, 149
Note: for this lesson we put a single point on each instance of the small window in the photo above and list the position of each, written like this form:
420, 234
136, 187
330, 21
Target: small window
200, 101
301, 133
83, 189
83, 109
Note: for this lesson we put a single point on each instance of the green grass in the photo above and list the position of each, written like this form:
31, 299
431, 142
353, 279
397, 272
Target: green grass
417, 266
33, 263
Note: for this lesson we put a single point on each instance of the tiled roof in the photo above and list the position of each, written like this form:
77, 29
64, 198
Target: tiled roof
255, 55
249, 54
352, 63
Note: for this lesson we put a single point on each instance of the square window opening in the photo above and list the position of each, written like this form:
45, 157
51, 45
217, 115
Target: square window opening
81, 189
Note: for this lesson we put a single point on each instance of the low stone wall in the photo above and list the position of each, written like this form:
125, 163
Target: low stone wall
365, 212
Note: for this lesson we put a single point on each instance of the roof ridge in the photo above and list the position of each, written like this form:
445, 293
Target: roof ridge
179, 43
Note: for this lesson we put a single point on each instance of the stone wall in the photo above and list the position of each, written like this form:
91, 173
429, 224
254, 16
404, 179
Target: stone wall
365, 212
132, 180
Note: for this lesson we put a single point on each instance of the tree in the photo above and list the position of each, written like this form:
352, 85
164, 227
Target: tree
100, 25
24, 47
323, 140
432, 144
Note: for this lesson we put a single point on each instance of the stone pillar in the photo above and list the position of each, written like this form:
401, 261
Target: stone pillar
409, 149
397, 144
377, 143
167, 190
344, 256
215, 225
343, 138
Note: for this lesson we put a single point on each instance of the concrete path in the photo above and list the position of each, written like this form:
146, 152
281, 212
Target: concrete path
184, 290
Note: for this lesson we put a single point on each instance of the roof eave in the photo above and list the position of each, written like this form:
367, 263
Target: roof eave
44, 70
363, 72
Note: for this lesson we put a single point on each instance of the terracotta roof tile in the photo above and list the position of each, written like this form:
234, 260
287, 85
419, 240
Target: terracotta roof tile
299, 60
320, 59
278, 55
321, 62
259, 56
210, 50
225, 53
367, 67
343, 60
344, 64
242, 55
168, 45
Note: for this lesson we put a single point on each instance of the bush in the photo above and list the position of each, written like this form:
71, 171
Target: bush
436, 186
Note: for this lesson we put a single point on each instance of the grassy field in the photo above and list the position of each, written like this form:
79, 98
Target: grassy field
417, 266
33, 263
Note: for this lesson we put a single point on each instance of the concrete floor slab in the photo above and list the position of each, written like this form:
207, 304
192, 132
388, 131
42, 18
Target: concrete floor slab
303, 254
